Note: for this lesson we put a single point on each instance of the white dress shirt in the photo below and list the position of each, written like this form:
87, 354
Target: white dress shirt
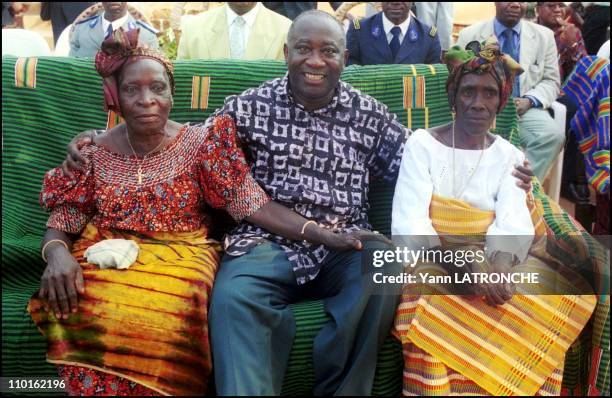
249, 19
604, 50
116, 23
388, 25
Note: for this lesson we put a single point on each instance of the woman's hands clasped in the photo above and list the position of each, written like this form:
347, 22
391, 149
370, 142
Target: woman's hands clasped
495, 294
498, 293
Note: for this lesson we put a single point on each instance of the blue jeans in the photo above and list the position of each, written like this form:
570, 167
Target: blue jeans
252, 327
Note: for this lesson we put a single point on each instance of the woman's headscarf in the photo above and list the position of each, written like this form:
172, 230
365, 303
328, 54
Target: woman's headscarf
481, 58
118, 50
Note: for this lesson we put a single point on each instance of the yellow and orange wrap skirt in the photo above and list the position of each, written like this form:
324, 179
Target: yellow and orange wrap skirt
147, 324
456, 345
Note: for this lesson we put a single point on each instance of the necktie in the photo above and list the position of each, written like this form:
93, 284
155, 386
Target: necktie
510, 48
395, 42
109, 31
237, 38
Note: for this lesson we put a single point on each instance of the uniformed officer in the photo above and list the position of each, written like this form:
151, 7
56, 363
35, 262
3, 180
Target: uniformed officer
392, 36
88, 34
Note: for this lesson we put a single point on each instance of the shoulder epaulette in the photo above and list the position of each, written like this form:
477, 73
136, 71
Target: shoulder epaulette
87, 19
433, 31
147, 27
357, 24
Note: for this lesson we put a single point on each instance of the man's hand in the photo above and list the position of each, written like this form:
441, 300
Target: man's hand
62, 280
74, 159
350, 241
524, 174
522, 105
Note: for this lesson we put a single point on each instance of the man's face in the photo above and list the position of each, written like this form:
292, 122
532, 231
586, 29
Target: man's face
510, 14
315, 56
114, 10
241, 7
396, 11
551, 13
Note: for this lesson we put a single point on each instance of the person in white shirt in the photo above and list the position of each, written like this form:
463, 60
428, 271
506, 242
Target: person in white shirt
534, 47
455, 180
465, 162
24, 43
604, 50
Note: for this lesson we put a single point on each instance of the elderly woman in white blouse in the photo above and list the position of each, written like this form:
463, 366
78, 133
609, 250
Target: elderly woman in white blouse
456, 179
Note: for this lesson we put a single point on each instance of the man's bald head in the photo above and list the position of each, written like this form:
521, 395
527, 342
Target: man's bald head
314, 18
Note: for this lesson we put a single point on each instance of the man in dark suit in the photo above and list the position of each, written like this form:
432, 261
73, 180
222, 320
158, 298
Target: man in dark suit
61, 14
392, 36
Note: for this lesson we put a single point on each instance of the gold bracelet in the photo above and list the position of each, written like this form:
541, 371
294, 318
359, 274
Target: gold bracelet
305, 225
42, 252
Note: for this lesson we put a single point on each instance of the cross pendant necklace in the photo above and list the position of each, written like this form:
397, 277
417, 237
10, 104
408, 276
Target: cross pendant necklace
140, 173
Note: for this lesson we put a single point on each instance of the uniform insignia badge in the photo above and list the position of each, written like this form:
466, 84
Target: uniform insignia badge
433, 31
376, 31
413, 35
356, 24
94, 21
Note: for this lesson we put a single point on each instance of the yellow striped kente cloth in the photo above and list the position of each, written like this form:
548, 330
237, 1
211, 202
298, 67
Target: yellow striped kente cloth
147, 323
461, 345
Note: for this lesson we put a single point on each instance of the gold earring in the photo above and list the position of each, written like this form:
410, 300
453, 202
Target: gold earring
494, 125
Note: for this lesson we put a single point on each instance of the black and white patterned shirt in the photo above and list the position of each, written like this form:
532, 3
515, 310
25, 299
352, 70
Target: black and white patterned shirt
318, 163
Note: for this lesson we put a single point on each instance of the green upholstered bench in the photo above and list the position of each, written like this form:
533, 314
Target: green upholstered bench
46, 101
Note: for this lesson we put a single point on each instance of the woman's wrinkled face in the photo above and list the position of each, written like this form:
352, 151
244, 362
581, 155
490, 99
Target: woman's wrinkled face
477, 101
145, 95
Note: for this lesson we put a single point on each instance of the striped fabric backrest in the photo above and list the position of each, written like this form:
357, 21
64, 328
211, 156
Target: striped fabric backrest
46, 101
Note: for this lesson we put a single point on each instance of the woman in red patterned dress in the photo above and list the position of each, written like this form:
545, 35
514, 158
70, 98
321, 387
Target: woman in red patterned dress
143, 330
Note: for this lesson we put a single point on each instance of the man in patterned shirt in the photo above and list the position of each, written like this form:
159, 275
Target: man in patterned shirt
315, 143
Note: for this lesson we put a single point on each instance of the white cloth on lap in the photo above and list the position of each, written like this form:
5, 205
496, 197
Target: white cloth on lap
113, 253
